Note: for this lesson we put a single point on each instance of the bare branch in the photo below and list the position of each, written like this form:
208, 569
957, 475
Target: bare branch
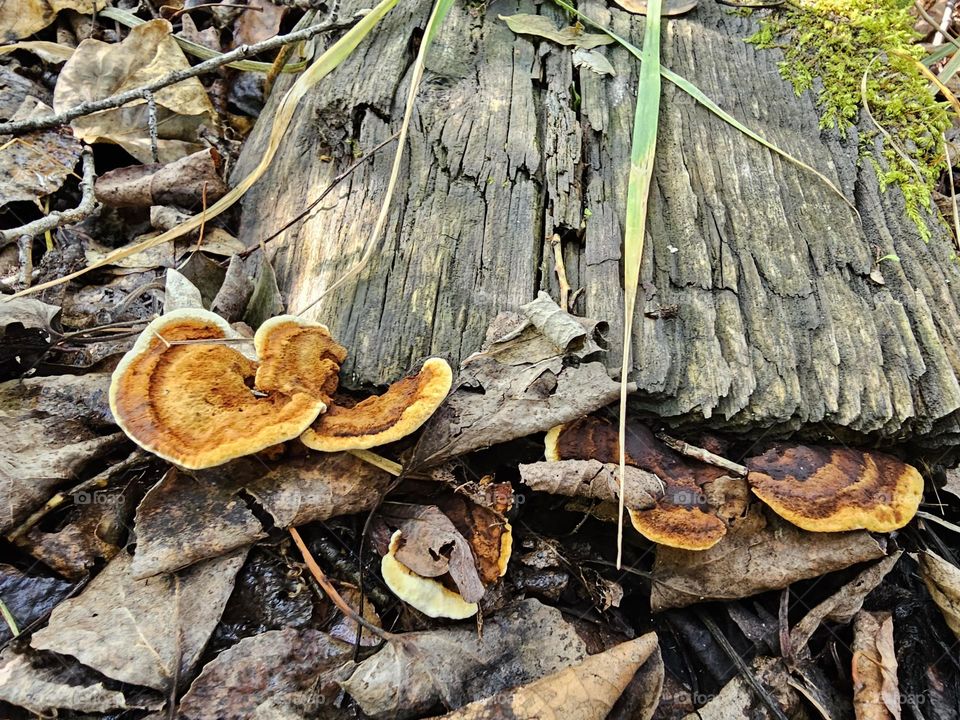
88, 203
115, 101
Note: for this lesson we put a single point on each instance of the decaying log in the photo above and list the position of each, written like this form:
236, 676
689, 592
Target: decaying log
757, 308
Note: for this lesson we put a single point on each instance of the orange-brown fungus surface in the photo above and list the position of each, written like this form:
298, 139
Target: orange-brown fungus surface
298, 357
834, 489
194, 405
381, 419
680, 519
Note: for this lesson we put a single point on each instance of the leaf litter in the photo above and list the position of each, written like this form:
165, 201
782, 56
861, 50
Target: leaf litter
141, 587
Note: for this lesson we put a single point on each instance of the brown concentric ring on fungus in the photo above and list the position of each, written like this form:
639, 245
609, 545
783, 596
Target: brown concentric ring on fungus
298, 356
382, 419
825, 489
678, 520
193, 404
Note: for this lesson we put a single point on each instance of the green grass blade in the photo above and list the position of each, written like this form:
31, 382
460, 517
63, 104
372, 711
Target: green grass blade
950, 69
321, 67
698, 95
440, 11
642, 152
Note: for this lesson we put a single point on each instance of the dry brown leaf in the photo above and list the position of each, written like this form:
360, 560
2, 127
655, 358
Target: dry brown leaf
488, 534
52, 427
187, 518
412, 673
587, 691
943, 581
32, 314
671, 8
43, 683
432, 546
762, 552
737, 699
185, 183
345, 629
593, 479
843, 605
876, 695
21, 18
139, 631
260, 22
270, 675
98, 70
35, 164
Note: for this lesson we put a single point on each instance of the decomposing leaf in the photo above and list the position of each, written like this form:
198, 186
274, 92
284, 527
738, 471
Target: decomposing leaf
943, 582
40, 683
542, 330
542, 26
144, 632
179, 293
490, 537
876, 694
52, 427
843, 604
25, 17
32, 314
265, 301
28, 597
593, 60
48, 51
188, 517
431, 546
587, 691
270, 675
762, 553
564, 331
738, 699
495, 401
452, 665
234, 294
186, 183
98, 70
260, 22
593, 479
952, 484
35, 164
345, 629
670, 7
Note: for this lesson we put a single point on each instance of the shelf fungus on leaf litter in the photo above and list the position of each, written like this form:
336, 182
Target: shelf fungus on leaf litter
204, 403
818, 489
194, 404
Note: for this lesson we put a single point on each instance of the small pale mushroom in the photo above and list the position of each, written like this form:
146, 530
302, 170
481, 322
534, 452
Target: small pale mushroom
402, 409
195, 404
678, 520
823, 489
427, 595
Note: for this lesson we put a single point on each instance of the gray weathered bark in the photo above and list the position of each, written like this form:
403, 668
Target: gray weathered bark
777, 321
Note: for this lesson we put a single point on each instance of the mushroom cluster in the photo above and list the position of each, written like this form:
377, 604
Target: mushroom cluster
819, 489
186, 394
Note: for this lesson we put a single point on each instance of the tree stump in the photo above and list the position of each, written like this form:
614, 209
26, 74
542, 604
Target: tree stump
757, 308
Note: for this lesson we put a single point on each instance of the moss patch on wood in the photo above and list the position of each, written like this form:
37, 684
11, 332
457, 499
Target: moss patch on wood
845, 43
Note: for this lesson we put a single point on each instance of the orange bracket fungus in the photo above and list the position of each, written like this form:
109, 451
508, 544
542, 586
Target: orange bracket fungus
427, 595
382, 419
678, 520
835, 489
201, 404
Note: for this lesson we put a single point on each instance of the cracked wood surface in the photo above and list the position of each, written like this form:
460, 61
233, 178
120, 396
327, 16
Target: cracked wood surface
777, 322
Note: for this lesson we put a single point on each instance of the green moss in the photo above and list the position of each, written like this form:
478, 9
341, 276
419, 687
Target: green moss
838, 42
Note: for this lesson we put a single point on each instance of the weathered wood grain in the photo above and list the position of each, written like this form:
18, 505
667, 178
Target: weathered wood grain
777, 321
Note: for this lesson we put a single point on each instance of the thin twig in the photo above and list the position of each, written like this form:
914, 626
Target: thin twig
331, 591
698, 453
115, 101
88, 204
316, 201
379, 461
561, 272
772, 705
25, 258
152, 126
944, 22
97, 481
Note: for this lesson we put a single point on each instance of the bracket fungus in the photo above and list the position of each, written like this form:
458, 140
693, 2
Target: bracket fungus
427, 595
402, 409
202, 404
835, 489
679, 519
